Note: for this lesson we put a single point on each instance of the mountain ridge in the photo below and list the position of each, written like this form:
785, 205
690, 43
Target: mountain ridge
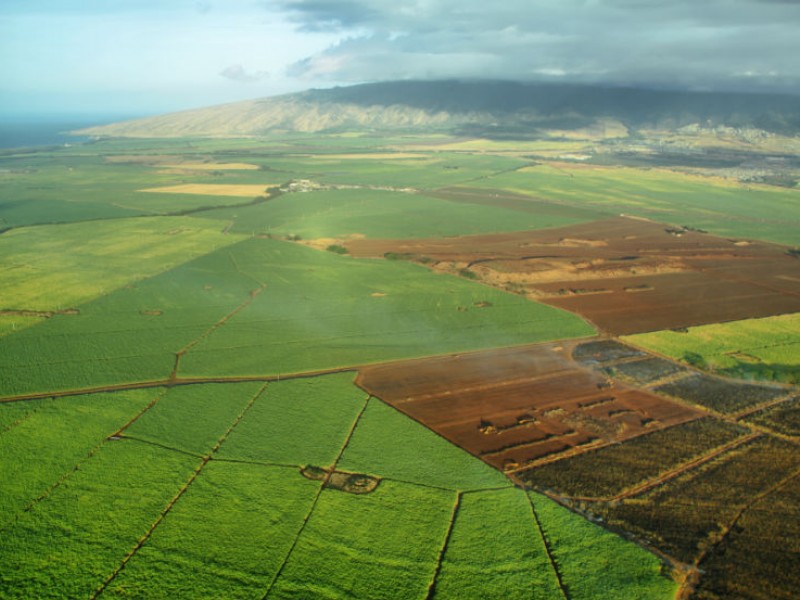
489, 108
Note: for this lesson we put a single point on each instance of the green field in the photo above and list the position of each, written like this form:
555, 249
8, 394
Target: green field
204, 509
320, 310
50, 268
719, 206
316, 311
218, 478
376, 214
752, 349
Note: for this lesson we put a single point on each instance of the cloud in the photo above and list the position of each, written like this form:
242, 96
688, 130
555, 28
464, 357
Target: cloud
240, 74
708, 44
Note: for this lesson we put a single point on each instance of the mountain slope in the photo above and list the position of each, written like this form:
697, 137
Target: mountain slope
485, 108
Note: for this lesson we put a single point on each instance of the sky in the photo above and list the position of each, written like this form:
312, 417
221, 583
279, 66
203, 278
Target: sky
138, 57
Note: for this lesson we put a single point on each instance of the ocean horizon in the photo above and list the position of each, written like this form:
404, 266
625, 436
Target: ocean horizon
31, 131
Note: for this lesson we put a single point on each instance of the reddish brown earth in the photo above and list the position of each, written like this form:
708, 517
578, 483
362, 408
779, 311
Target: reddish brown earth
518, 407
624, 275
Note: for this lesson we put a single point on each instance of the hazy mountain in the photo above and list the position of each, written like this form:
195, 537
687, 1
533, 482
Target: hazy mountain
489, 108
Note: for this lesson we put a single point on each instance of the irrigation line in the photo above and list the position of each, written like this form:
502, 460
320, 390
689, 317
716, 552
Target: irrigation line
256, 463
180, 353
677, 471
550, 556
151, 404
68, 474
689, 586
21, 420
160, 446
321, 488
443, 549
168, 383
99, 591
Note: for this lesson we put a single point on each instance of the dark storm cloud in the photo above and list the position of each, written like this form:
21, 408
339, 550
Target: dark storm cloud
710, 44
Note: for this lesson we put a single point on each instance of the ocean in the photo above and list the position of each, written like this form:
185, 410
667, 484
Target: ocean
31, 131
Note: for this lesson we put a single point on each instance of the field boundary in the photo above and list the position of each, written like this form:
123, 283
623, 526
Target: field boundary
167, 383
719, 538
561, 585
192, 478
322, 486
443, 549
678, 470
67, 474
181, 353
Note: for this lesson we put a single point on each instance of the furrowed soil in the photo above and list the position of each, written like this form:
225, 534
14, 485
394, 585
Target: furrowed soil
625, 275
522, 406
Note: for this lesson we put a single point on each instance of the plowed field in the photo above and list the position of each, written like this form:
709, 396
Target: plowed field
519, 407
625, 275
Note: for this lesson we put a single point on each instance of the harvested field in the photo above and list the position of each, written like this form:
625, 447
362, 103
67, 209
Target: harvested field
673, 300
615, 469
625, 275
518, 407
719, 394
783, 418
647, 370
214, 189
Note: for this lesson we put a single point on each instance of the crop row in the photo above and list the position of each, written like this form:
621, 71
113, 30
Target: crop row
610, 470
684, 514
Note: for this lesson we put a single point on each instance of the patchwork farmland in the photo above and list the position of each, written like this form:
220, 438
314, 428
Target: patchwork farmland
344, 367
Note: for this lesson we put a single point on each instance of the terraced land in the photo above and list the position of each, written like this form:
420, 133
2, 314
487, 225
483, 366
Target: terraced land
178, 414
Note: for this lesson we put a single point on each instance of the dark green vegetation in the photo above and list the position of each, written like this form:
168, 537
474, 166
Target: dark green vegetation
225, 309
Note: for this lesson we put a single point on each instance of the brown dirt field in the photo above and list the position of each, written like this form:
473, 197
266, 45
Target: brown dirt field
671, 301
520, 406
681, 278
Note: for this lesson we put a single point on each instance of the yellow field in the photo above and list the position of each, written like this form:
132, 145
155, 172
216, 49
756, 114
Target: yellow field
367, 156
211, 166
55, 267
214, 189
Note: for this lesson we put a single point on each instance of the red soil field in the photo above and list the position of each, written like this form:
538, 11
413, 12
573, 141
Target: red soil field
518, 407
624, 275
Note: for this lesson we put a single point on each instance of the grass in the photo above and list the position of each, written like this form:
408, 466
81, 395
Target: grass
95, 518
130, 335
226, 538
297, 422
433, 171
422, 457
49, 268
53, 438
380, 545
13, 323
319, 311
213, 408
766, 349
377, 214
595, 563
496, 551
721, 207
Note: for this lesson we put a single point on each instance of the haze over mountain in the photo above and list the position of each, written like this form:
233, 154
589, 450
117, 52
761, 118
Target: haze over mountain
487, 108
